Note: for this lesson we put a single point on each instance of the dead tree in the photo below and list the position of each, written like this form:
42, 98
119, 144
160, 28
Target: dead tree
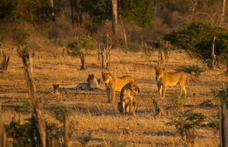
123, 30
1, 47
4, 64
82, 56
3, 140
108, 51
114, 16
74, 12
167, 50
223, 12
52, 13
102, 57
213, 56
36, 103
66, 130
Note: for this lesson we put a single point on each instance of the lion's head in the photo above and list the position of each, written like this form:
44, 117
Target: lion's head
90, 78
106, 77
134, 87
161, 72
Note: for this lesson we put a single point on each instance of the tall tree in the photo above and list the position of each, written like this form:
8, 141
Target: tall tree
114, 16
137, 12
74, 12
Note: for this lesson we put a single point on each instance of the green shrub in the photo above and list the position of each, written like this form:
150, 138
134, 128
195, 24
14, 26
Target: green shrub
59, 41
26, 108
197, 36
60, 110
178, 100
22, 134
186, 123
189, 69
74, 48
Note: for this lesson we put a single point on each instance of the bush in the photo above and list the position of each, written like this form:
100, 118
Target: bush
186, 122
189, 69
177, 100
198, 37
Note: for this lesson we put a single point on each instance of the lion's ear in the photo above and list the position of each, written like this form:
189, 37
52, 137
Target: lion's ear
92, 75
131, 82
163, 69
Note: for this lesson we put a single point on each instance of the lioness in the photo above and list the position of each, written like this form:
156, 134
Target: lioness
159, 82
171, 79
114, 84
92, 84
127, 109
126, 95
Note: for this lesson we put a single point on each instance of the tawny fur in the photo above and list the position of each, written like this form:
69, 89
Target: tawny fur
114, 84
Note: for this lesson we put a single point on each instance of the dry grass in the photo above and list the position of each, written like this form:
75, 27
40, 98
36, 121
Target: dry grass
95, 115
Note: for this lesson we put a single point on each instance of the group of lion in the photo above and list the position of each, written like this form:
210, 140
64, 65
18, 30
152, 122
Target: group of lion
128, 87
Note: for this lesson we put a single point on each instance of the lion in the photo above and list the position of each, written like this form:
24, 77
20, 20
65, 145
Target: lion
134, 107
114, 84
126, 96
92, 84
158, 82
171, 79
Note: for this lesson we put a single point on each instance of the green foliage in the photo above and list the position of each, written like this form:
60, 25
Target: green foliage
186, 122
189, 69
22, 134
84, 139
203, 48
60, 110
178, 100
59, 41
25, 11
116, 144
25, 109
84, 42
20, 36
134, 47
165, 47
137, 12
52, 129
124, 48
198, 37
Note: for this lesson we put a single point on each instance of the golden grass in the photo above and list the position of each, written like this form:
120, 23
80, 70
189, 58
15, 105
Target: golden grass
95, 115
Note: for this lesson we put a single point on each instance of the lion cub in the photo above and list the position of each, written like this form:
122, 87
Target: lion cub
126, 96
165, 79
114, 84
127, 109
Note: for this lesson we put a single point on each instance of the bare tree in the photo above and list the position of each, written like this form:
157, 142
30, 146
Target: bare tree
213, 56
82, 56
123, 30
223, 12
3, 140
36, 103
52, 6
114, 16
74, 12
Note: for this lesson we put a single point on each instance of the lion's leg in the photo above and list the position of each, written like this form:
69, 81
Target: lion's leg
123, 106
182, 86
160, 89
113, 96
163, 91
109, 95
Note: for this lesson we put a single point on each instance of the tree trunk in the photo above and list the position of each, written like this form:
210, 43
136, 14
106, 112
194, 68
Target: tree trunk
123, 30
2, 131
74, 12
66, 129
114, 16
36, 104
223, 12
52, 7
213, 56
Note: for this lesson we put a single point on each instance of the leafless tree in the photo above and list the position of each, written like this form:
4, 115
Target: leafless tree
114, 16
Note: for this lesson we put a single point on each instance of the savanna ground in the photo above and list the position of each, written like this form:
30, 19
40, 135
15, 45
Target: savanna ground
93, 113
